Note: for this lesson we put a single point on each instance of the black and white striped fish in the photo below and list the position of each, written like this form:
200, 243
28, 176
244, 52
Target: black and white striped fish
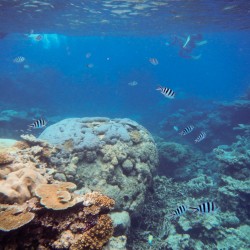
169, 93
201, 137
19, 59
179, 211
206, 207
187, 130
40, 123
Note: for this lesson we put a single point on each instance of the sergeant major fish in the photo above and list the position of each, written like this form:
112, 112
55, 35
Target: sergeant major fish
169, 93
200, 137
179, 211
40, 123
153, 61
19, 59
187, 130
206, 207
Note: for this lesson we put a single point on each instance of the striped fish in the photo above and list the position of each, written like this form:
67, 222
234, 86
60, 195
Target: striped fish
153, 61
38, 124
169, 93
206, 207
179, 211
19, 59
200, 137
187, 130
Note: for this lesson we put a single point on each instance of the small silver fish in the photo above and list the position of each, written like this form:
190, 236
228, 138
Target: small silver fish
176, 128
133, 83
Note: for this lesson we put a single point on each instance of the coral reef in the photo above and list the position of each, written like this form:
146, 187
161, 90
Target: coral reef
177, 160
234, 159
115, 157
116, 243
70, 228
19, 186
121, 222
12, 219
5, 158
37, 212
193, 230
97, 236
56, 196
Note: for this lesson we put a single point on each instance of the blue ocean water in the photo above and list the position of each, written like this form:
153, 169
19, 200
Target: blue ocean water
58, 79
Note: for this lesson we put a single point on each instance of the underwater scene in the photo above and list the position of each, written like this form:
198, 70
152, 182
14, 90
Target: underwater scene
124, 124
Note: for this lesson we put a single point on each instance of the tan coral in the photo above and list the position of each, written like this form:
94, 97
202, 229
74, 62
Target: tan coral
93, 210
21, 145
5, 158
96, 237
68, 145
65, 240
98, 199
19, 185
135, 136
13, 219
56, 196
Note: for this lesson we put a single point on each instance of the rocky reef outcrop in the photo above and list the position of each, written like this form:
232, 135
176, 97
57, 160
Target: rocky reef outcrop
55, 189
116, 157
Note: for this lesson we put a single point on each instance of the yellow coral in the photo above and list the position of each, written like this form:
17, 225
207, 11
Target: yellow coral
96, 237
56, 196
13, 219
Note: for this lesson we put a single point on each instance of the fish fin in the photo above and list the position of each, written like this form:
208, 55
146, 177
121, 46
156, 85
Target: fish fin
196, 57
159, 87
187, 41
201, 43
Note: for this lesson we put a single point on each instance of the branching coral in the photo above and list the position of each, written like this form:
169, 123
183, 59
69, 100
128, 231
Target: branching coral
95, 198
97, 236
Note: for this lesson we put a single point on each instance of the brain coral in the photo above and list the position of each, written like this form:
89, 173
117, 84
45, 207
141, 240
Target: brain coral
115, 157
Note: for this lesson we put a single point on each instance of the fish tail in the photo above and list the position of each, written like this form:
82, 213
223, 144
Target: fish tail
159, 87
187, 41
194, 208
